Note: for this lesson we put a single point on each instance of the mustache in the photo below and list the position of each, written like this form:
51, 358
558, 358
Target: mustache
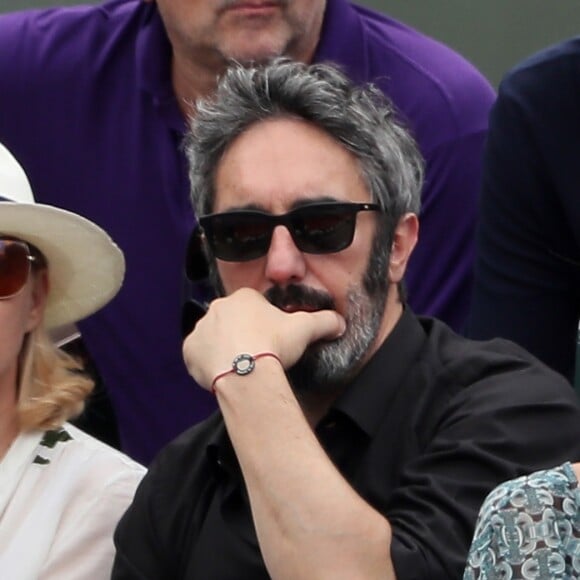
300, 296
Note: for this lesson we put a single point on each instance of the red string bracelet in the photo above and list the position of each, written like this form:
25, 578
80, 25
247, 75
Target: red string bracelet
243, 364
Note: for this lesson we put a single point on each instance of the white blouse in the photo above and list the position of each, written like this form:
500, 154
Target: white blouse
61, 495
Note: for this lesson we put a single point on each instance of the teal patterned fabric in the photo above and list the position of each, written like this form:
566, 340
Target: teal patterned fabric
529, 528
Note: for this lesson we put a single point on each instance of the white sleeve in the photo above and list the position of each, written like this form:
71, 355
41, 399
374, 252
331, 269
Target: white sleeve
83, 545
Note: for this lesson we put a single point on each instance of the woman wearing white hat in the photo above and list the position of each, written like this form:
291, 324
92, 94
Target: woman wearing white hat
61, 491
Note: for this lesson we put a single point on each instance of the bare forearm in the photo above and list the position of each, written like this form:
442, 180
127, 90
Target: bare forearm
309, 521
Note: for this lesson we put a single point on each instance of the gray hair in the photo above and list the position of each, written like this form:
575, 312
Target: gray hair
362, 119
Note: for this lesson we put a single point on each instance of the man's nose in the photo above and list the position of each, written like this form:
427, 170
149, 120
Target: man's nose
285, 263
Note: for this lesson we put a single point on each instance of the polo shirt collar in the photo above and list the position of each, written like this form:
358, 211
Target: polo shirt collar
370, 395
342, 40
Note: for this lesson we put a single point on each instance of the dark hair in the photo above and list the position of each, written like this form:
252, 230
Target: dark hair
362, 119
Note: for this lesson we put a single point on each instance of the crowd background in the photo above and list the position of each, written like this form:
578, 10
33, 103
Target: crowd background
494, 34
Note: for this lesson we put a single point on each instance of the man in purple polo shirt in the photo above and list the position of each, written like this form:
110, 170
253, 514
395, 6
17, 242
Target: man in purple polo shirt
94, 102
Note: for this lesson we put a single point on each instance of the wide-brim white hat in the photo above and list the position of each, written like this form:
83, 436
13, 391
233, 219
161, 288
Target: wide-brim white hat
85, 266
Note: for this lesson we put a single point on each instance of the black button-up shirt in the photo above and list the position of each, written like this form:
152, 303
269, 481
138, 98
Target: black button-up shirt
431, 424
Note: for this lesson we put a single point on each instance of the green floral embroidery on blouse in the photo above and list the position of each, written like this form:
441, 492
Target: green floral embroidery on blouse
50, 440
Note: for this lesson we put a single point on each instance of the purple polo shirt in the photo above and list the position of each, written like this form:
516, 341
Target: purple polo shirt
86, 105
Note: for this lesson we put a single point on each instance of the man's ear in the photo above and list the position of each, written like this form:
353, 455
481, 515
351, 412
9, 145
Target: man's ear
404, 240
39, 297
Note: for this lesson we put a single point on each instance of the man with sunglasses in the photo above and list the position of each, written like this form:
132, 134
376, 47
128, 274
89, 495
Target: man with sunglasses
354, 439
108, 89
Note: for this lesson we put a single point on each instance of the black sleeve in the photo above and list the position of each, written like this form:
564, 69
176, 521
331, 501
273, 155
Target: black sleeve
154, 537
500, 427
527, 269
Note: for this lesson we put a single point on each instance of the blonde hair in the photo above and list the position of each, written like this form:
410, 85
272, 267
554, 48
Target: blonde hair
52, 386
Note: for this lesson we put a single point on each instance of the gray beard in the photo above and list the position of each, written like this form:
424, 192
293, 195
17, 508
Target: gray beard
326, 366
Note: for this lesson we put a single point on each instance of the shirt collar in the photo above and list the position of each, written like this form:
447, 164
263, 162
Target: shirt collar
370, 395
342, 40
221, 454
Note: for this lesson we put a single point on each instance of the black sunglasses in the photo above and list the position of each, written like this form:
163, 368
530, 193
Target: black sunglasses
320, 228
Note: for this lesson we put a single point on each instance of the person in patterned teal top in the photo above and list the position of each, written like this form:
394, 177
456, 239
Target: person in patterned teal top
529, 528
